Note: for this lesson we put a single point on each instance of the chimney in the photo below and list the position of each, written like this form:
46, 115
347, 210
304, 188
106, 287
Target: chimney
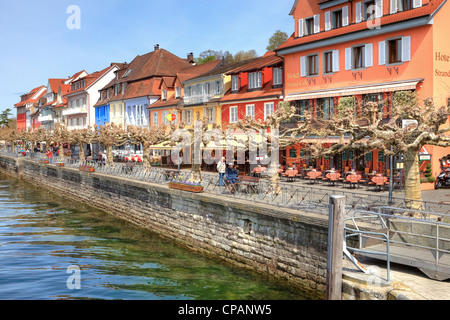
156, 47
190, 56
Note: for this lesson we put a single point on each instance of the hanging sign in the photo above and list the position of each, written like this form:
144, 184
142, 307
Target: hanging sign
171, 117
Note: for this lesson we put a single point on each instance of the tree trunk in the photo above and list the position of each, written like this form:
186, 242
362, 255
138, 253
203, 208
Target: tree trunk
81, 153
197, 172
61, 151
413, 192
146, 157
109, 155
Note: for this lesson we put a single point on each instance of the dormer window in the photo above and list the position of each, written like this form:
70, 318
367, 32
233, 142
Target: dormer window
164, 95
309, 26
124, 86
177, 92
277, 76
235, 83
127, 73
254, 80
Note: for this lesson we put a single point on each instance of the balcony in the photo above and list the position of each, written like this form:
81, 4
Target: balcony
46, 118
197, 99
75, 110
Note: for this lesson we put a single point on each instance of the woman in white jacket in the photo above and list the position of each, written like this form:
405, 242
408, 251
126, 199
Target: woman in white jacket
221, 167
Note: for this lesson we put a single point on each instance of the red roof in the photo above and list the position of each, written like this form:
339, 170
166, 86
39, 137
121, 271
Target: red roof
267, 60
29, 97
267, 91
425, 10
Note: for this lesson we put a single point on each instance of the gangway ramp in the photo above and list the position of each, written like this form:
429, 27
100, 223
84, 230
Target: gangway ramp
410, 237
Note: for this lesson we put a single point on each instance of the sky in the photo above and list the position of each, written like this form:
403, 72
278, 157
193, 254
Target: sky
47, 39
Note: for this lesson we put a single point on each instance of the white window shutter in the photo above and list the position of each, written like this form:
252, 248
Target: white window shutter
303, 66
335, 60
393, 6
317, 23
382, 53
348, 58
417, 3
345, 18
327, 20
358, 13
378, 8
368, 55
406, 49
300, 27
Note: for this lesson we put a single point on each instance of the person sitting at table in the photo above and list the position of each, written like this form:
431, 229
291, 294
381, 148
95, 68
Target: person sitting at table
231, 174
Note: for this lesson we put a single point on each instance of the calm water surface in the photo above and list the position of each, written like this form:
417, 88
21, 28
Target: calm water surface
42, 235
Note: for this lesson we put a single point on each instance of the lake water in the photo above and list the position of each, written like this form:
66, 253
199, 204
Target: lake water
52, 248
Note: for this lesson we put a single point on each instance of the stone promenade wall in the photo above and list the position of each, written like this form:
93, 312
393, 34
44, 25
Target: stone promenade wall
287, 245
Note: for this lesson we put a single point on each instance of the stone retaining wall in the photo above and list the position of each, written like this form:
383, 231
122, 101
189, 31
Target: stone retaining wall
287, 245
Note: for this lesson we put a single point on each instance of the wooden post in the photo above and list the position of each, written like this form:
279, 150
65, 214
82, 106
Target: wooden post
335, 247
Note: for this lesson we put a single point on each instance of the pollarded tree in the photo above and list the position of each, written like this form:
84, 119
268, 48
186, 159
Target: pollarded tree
413, 124
61, 135
81, 137
110, 135
147, 137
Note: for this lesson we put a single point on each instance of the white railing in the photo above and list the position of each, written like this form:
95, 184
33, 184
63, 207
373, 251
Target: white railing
75, 110
46, 118
197, 99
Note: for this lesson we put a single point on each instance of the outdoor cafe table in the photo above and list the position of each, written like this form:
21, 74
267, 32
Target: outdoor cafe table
291, 174
313, 175
353, 179
258, 170
379, 181
333, 177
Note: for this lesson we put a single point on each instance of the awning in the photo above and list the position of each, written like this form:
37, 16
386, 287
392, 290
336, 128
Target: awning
356, 90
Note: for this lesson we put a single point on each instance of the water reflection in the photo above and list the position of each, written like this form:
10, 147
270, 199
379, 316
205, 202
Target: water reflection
41, 235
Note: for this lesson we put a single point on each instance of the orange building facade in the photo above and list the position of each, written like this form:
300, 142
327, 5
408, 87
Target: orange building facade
367, 50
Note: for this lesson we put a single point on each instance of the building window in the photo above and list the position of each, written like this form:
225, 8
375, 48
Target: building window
250, 110
254, 80
313, 65
208, 88
328, 62
218, 87
303, 108
395, 51
211, 115
309, 26
336, 19
358, 57
155, 118
188, 116
269, 109
369, 10
178, 92
277, 76
405, 5
235, 83
124, 86
164, 118
325, 108
233, 115
164, 95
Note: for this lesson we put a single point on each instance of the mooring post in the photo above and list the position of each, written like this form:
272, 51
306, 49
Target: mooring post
335, 247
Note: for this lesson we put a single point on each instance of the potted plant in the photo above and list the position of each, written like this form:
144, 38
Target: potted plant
86, 168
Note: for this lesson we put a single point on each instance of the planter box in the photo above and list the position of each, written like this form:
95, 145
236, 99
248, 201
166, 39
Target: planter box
196, 189
60, 164
43, 161
185, 187
174, 185
86, 169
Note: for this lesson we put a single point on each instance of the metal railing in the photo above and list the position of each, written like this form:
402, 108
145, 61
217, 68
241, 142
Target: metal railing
421, 238
299, 196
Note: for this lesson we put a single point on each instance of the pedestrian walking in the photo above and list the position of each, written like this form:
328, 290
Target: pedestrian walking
221, 167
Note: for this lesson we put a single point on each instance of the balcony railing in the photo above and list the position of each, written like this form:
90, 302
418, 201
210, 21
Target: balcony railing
46, 118
198, 99
76, 110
